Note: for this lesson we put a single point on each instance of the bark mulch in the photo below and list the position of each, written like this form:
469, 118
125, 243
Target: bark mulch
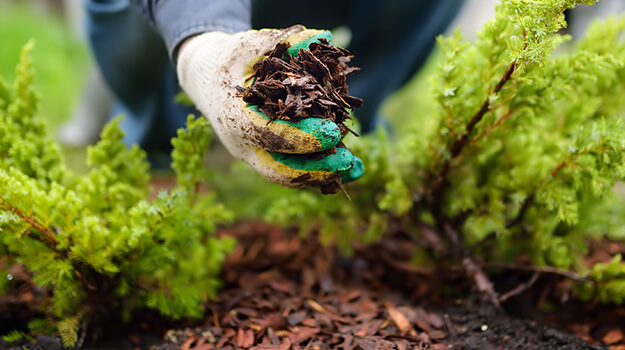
284, 292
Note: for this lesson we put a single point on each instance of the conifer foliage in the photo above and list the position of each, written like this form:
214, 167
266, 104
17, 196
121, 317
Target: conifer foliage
517, 161
98, 243
518, 164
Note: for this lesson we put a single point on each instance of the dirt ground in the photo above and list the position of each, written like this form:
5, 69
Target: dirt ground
282, 292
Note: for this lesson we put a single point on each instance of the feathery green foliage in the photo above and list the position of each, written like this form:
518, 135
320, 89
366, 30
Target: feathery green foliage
99, 243
521, 155
339, 219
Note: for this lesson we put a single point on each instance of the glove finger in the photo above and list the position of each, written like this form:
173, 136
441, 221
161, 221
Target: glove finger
298, 170
306, 37
310, 135
355, 172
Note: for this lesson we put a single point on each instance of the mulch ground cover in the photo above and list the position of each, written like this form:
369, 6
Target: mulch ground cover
285, 292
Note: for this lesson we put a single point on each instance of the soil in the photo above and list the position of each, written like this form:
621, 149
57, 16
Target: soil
284, 292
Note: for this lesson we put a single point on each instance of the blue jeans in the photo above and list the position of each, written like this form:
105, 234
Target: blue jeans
390, 41
135, 65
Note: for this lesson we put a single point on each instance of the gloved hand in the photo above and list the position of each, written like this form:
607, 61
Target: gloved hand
212, 64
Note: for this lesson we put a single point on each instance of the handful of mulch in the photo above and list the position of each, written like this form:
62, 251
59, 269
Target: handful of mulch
310, 85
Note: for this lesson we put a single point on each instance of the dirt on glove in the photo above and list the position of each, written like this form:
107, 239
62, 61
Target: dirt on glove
312, 84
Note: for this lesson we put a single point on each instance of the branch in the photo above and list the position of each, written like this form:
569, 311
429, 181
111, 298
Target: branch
521, 287
32, 222
529, 200
494, 126
464, 140
482, 241
555, 171
483, 283
540, 269
458, 146
436, 188
473, 270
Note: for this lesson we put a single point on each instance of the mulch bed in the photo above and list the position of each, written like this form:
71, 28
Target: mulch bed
284, 292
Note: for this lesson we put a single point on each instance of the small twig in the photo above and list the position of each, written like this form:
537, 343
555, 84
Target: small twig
494, 126
83, 335
464, 140
474, 271
482, 241
32, 222
310, 343
405, 266
555, 171
529, 200
483, 283
541, 269
450, 327
350, 130
452, 236
507, 75
215, 315
344, 191
522, 287
412, 338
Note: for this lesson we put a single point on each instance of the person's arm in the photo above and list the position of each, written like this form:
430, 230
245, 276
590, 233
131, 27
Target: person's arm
177, 20
218, 54
211, 65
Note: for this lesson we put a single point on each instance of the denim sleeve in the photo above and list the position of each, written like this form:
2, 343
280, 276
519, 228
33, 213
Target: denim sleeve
176, 20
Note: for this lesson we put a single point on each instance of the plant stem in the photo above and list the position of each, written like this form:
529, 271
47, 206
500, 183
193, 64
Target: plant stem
32, 222
483, 283
435, 194
494, 126
521, 287
541, 269
459, 145
529, 200
555, 171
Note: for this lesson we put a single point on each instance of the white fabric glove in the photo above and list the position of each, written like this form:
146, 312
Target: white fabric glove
212, 64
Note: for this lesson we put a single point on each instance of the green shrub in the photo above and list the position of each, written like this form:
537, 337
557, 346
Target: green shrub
520, 156
61, 59
99, 243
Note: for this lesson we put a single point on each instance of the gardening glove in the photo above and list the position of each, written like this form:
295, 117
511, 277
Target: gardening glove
211, 65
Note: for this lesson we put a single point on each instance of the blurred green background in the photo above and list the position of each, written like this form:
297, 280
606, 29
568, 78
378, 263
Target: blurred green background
60, 59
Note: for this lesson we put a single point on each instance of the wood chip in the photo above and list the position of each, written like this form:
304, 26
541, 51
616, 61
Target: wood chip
286, 344
245, 339
317, 307
612, 337
399, 319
